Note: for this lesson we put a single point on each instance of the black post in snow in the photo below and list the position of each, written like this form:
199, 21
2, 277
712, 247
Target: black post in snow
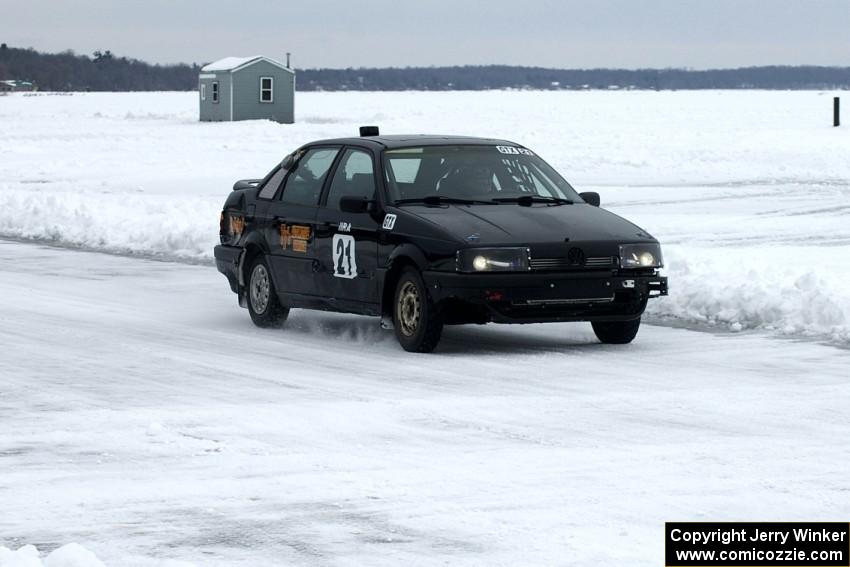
836, 112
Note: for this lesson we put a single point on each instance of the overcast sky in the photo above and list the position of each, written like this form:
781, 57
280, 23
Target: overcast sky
377, 33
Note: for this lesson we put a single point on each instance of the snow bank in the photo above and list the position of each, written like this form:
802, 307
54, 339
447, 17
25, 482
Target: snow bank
158, 225
738, 290
70, 555
747, 191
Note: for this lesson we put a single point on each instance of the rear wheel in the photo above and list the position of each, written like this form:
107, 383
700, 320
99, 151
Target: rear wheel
418, 322
263, 304
616, 332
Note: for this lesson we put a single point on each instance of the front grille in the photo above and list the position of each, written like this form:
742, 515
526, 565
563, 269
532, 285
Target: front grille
595, 263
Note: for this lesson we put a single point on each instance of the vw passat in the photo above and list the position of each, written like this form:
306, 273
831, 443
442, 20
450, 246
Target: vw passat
427, 231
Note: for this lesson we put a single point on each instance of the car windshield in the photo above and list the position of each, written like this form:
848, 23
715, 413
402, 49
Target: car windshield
473, 174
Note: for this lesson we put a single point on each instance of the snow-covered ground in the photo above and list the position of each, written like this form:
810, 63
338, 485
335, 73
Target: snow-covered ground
749, 191
146, 419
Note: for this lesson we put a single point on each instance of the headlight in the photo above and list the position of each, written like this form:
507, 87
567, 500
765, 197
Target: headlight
492, 260
640, 256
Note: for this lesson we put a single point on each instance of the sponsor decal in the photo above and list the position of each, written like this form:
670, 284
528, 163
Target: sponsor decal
514, 150
237, 224
344, 226
389, 222
295, 237
301, 232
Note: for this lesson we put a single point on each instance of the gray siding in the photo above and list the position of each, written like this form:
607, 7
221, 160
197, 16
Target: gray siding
246, 94
215, 110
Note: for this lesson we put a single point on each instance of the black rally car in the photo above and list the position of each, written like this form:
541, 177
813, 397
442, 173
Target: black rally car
431, 230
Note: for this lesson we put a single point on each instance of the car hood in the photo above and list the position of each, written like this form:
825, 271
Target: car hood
515, 224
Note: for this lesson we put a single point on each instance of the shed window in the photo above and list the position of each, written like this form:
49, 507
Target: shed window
203, 91
215, 91
266, 89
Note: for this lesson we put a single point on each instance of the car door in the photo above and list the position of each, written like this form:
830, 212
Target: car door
347, 243
291, 227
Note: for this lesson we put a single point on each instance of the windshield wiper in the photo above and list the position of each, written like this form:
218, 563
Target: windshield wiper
437, 200
527, 200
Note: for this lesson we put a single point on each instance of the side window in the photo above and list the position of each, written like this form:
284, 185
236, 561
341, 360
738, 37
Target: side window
215, 91
266, 89
304, 185
203, 91
354, 177
270, 188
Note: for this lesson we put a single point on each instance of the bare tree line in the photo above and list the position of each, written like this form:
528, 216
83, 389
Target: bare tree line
104, 71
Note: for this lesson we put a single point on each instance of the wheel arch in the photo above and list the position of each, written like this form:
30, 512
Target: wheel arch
406, 255
255, 245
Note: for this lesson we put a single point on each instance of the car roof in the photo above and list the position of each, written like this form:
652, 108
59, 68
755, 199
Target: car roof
414, 140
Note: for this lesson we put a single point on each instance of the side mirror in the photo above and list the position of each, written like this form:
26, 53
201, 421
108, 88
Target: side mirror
590, 197
355, 205
288, 162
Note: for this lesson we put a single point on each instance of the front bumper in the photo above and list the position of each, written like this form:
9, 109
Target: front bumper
545, 297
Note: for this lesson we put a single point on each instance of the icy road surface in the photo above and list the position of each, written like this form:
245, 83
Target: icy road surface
145, 417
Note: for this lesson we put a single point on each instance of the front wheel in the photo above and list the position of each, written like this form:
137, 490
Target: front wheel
418, 322
263, 304
616, 332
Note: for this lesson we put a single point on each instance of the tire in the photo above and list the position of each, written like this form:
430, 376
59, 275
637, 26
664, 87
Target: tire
417, 321
616, 332
263, 304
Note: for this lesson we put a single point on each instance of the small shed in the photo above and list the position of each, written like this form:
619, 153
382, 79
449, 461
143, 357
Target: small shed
16, 86
247, 88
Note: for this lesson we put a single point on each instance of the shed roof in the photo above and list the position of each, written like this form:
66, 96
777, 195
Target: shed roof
230, 64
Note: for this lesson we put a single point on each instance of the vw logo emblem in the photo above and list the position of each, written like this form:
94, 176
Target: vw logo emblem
575, 257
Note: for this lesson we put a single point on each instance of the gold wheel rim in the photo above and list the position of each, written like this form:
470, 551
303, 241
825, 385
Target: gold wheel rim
408, 309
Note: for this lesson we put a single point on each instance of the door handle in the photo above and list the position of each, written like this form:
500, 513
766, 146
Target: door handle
324, 229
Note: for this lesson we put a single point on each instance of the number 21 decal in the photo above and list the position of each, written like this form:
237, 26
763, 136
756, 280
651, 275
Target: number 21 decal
345, 265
